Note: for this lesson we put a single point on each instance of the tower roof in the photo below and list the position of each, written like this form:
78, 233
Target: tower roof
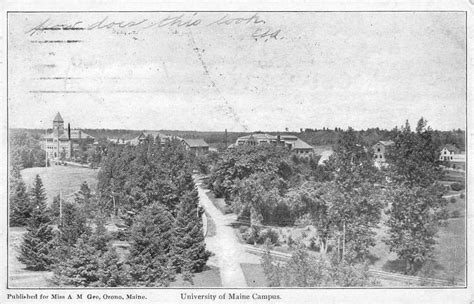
58, 118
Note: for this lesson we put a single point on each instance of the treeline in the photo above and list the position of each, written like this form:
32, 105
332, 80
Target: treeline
25, 150
371, 136
151, 189
315, 137
344, 199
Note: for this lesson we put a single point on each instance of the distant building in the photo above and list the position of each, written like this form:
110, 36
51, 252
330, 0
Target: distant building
63, 143
117, 141
292, 142
380, 150
156, 136
198, 146
194, 145
453, 156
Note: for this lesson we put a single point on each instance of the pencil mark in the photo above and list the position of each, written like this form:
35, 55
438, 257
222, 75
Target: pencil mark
177, 21
42, 27
104, 23
55, 41
56, 78
133, 27
268, 34
227, 20
48, 65
88, 91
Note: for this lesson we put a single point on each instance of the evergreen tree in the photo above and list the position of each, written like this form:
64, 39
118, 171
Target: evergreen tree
38, 196
112, 271
37, 245
20, 206
100, 237
85, 200
151, 248
189, 248
80, 268
72, 226
55, 208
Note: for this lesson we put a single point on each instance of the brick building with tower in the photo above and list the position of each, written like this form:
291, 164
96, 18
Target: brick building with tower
64, 143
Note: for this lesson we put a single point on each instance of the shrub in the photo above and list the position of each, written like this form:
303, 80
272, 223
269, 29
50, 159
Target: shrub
269, 234
251, 235
313, 245
121, 235
304, 220
290, 241
462, 195
455, 214
457, 186
452, 200
243, 229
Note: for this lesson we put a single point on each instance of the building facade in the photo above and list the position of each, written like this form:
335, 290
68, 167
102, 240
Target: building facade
453, 157
380, 149
197, 146
291, 142
64, 143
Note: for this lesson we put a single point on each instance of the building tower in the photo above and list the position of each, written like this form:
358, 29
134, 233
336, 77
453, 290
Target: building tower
58, 125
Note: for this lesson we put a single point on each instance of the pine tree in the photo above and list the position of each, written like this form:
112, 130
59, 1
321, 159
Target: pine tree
100, 237
189, 248
54, 208
20, 206
150, 252
80, 268
72, 226
112, 271
37, 245
85, 199
38, 196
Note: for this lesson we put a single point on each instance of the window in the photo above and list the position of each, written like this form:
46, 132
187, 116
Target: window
378, 149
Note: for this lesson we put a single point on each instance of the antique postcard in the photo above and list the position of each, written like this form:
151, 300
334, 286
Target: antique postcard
175, 154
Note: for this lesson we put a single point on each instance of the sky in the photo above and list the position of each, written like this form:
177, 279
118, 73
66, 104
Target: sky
237, 71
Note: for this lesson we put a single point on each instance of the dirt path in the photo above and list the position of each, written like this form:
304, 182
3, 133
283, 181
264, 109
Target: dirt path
229, 253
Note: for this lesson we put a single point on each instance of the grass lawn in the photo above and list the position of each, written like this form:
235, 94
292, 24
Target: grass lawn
450, 260
67, 179
457, 209
254, 275
209, 277
450, 251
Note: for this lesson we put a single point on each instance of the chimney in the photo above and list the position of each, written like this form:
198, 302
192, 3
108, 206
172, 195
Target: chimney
69, 131
226, 138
